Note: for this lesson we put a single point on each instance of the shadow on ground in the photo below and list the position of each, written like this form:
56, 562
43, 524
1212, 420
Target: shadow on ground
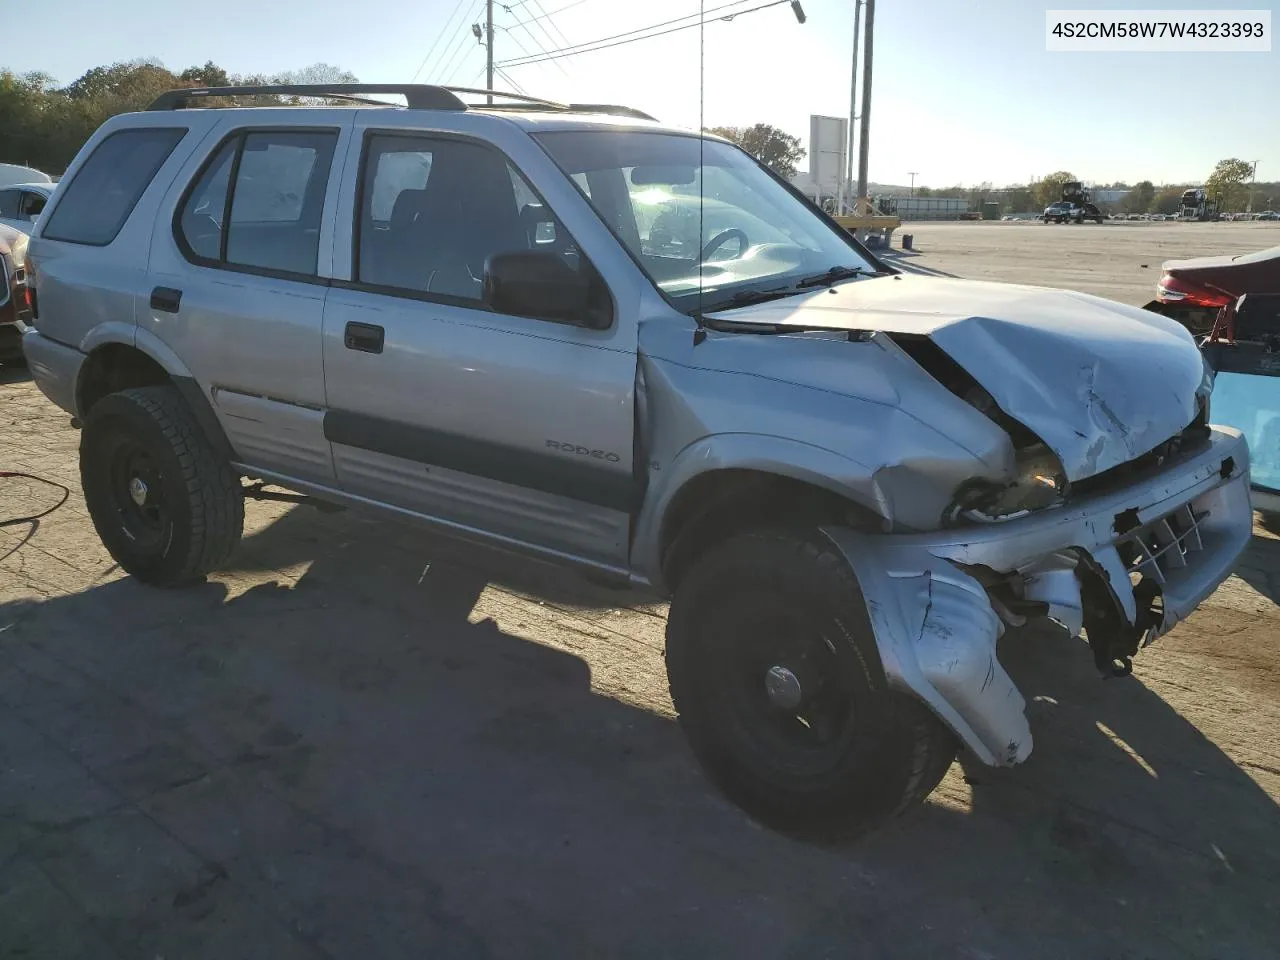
365, 764
1258, 566
13, 373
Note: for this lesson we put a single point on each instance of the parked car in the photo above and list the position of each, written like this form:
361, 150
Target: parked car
14, 312
850, 481
1194, 291
1268, 215
21, 204
11, 173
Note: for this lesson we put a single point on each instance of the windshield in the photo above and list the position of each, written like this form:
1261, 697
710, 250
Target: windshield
701, 217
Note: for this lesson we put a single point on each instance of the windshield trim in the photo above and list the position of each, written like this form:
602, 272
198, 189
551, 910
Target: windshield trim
705, 304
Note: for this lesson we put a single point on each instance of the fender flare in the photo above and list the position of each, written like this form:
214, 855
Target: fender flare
761, 453
148, 344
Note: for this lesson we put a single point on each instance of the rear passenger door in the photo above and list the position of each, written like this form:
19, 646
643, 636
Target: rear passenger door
238, 282
517, 427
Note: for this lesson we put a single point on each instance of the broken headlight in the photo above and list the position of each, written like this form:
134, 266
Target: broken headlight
1038, 483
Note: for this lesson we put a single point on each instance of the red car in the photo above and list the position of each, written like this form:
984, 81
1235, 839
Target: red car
1193, 291
14, 309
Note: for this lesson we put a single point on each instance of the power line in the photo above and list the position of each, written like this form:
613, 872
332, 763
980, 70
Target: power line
542, 16
459, 45
443, 30
537, 43
511, 80
550, 39
618, 39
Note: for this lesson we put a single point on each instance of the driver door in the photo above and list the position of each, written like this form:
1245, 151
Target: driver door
518, 429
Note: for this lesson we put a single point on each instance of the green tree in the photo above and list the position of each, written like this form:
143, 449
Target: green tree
44, 126
776, 149
1228, 181
1049, 190
1139, 198
1017, 199
210, 75
1168, 200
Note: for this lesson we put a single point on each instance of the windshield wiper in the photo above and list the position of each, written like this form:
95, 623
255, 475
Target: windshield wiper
744, 298
830, 277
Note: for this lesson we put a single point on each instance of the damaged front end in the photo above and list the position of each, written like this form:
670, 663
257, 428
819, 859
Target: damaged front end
1122, 565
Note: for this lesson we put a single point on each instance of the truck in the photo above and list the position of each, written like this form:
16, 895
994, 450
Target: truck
1198, 205
1074, 207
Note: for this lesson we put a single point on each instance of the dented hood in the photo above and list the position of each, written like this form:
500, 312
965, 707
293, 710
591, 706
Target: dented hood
1100, 382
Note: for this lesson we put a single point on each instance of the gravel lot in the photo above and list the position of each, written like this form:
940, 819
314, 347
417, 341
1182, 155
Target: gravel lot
365, 742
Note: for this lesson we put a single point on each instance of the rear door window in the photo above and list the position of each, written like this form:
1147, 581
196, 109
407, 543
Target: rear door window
259, 201
9, 203
106, 188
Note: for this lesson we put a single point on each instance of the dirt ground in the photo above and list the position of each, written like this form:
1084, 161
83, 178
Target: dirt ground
362, 741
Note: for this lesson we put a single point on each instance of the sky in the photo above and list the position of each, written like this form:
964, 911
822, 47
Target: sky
964, 92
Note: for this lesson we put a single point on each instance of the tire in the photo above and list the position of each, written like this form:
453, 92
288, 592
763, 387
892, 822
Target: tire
191, 513
853, 752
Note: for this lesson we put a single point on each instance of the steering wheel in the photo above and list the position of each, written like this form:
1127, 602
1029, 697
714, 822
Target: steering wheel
720, 239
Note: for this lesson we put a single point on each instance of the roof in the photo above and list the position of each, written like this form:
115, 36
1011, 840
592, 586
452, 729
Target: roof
45, 188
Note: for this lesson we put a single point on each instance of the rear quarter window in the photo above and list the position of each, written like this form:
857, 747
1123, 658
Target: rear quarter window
98, 200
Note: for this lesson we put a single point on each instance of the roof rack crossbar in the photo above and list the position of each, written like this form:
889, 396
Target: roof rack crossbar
418, 96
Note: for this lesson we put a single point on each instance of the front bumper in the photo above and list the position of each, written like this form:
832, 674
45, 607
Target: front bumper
935, 623
55, 368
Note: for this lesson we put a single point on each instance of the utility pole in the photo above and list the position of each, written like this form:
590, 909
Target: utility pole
865, 133
488, 47
846, 185
913, 174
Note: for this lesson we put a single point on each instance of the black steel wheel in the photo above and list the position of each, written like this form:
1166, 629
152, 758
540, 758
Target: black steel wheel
777, 679
166, 508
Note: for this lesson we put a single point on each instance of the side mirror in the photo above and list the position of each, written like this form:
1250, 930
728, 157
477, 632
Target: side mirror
539, 284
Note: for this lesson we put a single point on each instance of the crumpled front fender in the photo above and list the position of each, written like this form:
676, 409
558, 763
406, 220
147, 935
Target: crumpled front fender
936, 632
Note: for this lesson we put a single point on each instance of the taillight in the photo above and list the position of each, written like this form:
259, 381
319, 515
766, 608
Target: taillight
1173, 289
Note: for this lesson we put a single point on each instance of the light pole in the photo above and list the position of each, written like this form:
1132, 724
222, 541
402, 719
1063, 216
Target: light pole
846, 185
485, 37
912, 174
1253, 178
864, 134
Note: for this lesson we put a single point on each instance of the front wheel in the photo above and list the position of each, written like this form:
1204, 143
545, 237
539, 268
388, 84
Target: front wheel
777, 680
167, 509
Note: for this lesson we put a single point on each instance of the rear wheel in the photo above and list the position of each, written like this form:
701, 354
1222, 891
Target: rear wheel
167, 508
777, 680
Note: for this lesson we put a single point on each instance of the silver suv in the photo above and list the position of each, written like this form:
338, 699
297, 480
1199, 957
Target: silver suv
573, 332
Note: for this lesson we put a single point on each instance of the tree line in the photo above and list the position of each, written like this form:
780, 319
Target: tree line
43, 125
1229, 183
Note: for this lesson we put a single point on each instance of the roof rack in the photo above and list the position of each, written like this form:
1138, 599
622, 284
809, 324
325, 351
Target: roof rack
418, 96
610, 109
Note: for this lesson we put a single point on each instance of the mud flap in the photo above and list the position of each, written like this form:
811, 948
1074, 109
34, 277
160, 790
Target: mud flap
936, 632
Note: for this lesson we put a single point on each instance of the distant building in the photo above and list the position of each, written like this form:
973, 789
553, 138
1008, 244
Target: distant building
924, 208
1108, 197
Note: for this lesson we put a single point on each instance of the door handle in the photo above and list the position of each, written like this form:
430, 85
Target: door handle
166, 299
365, 337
